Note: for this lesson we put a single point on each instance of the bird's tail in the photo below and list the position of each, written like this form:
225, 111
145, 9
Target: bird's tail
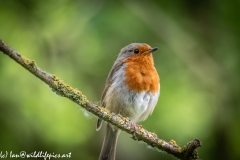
109, 144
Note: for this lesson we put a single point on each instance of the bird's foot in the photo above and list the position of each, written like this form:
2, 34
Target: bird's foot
135, 128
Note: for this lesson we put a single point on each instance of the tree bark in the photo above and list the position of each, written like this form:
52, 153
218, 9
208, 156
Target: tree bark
186, 152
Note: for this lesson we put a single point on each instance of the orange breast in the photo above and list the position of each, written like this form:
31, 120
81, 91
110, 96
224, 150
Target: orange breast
141, 74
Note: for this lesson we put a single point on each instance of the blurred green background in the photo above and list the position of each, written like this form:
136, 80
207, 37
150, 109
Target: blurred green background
197, 60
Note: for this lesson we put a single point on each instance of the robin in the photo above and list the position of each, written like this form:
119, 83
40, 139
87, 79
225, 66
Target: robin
132, 90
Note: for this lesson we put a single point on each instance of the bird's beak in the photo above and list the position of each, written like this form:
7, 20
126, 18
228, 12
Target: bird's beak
152, 49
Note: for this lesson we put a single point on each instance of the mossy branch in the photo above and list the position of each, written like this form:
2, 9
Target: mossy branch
58, 86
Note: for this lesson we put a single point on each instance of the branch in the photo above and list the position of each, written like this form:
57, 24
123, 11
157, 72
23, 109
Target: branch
58, 86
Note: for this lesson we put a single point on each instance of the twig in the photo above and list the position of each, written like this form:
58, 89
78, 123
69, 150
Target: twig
58, 86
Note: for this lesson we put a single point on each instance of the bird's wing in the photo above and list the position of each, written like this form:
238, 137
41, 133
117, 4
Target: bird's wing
109, 82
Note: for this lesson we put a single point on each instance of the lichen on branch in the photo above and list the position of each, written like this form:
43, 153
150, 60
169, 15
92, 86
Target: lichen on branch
186, 152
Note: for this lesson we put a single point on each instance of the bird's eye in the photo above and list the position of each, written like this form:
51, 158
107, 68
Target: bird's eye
136, 51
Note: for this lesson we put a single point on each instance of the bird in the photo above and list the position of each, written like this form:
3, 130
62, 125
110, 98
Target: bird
132, 90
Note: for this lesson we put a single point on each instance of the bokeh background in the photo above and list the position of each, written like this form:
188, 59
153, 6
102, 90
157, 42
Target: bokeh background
197, 60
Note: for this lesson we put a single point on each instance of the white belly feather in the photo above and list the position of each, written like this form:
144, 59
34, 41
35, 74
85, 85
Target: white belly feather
136, 106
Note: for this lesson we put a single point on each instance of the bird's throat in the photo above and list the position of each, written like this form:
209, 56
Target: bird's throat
141, 75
